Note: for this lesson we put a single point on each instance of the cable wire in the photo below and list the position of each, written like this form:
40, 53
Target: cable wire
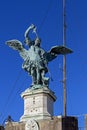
10, 95
45, 16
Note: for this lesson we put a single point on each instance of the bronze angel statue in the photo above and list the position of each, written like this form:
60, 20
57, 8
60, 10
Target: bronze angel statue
35, 58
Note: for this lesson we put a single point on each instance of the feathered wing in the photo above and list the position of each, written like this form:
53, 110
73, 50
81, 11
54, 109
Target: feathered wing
17, 45
57, 50
60, 50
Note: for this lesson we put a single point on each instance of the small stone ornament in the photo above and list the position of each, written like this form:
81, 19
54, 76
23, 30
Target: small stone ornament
31, 124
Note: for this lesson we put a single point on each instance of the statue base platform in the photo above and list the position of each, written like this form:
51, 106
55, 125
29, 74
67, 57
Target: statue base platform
38, 103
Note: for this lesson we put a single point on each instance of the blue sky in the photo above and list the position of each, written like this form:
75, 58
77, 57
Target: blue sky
15, 17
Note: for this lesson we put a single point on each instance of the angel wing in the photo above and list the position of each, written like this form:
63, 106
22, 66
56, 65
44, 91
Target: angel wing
57, 50
17, 45
60, 50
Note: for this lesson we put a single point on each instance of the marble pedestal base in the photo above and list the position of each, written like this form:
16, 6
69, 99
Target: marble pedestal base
38, 103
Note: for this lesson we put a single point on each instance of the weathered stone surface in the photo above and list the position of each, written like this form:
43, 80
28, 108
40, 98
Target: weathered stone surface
15, 126
56, 123
38, 104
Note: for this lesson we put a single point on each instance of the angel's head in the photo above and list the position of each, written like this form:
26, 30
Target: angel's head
37, 42
26, 41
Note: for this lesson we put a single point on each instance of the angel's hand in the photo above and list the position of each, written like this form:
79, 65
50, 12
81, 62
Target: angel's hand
32, 26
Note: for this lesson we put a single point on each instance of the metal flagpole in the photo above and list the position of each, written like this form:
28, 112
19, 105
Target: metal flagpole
64, 58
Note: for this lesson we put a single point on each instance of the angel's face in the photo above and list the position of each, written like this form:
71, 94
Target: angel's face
26, 42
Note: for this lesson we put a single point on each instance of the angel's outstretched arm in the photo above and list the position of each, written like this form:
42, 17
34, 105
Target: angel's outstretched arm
26, 35
31, 27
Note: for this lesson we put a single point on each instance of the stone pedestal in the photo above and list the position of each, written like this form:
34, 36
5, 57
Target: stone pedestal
38, 113
38, 104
